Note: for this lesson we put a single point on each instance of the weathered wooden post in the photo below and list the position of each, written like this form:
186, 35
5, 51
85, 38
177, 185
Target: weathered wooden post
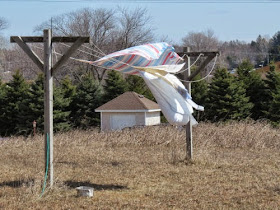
48, 103
189, 143
48, 70
188, 77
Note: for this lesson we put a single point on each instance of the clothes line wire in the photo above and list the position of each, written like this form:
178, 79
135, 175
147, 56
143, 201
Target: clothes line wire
91, 63
190, 81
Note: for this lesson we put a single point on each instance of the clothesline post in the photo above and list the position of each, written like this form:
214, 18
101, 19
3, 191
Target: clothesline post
189, 76
48, 104
49, 70
189, 142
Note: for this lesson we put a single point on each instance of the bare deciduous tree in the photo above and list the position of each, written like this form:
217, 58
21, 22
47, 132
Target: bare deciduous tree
133, 28
96, 23
16, 59
3, 41
109, 31
3, 23
234, 52
201, 41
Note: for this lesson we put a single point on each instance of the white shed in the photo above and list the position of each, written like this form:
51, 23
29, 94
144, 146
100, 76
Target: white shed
128, 110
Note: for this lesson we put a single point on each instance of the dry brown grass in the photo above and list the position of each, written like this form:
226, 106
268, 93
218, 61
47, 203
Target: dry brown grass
236, 166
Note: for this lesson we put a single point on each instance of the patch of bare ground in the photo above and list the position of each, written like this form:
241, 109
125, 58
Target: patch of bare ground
236, 166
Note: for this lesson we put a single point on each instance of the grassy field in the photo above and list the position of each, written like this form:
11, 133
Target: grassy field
236, 166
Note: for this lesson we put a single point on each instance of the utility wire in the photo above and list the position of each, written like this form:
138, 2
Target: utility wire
155, 1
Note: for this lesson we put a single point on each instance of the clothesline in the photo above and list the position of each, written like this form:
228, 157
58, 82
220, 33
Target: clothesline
157, 64
198, 80
117, 61
102, 53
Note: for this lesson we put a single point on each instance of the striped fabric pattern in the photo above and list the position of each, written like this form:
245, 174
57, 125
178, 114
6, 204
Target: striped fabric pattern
140, 56
155, 63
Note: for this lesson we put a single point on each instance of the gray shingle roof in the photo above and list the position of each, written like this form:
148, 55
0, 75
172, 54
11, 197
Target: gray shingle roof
129, 101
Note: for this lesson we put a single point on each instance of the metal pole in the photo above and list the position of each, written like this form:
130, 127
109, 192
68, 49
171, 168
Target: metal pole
48, 106
189, 143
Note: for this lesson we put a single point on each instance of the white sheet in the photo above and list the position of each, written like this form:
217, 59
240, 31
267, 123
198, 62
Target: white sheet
177, 109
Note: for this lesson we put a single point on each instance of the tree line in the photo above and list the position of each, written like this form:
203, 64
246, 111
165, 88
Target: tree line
116, 29
22, 102
244, 95
80, 88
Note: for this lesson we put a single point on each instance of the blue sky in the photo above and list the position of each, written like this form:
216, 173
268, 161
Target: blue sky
229, 21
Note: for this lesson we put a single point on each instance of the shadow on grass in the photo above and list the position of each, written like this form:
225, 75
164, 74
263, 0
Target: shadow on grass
276, 190
74, 184
17, 183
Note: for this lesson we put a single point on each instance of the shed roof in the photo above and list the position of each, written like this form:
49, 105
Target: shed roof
129, 101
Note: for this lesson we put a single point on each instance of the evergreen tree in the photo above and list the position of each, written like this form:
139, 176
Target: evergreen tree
226, 98
2, 107
199, 95
87, 98
115, 86
36, 104
33, 107
243, 72
68, 88
254, 86
274, 49
17, 93
138, 85
255, 92
272, 95
271, 83
63, 97
274, 111
272, 77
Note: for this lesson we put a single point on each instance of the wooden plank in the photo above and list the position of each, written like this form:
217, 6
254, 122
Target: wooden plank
29, 52
196, 54
48, 105
37, 39
70, 39
68, 54
27, 39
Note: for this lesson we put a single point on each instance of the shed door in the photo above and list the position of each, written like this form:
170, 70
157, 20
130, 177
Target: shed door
120, 121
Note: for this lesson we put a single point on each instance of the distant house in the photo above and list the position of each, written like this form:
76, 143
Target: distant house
128, 110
